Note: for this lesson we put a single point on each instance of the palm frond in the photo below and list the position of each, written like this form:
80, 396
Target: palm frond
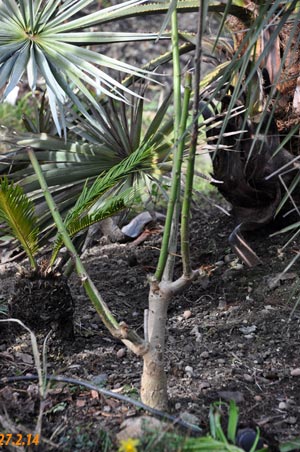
18, 215
139, 161
40, 38
78, 222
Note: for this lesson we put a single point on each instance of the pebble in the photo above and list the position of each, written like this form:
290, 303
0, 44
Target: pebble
189, 371
237, 396
100, 379
295, 372
283, 406
187, 314
204, 385
248, 378
204, 355
229, 257
291, 420
177, 406
121, 352
258, 398
238, 266
106, 408
190, 418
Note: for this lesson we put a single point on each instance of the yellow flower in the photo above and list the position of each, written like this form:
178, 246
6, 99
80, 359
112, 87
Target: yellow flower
128, 445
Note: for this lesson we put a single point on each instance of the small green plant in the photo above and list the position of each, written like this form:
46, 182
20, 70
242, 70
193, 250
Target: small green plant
247, 439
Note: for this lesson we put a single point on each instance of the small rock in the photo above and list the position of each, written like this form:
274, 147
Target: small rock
107, 408
283, 406
190, 418
121, 352
204, 355
276, 280
237, 266
258, 398
136, 427
222, 304
229, 258
177, 406
100, 379
219, 263
187, 314
291, 420
189, 371
248, 378
248, 329
197, 333
204, 385
249, 336
295, 372
236, 396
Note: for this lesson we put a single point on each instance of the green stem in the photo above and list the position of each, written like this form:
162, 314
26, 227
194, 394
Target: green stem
188, 189
168, 247
187, 197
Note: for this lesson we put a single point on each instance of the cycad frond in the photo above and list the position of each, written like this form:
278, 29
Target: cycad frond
78, 219
17, 213
78, 223
140, 160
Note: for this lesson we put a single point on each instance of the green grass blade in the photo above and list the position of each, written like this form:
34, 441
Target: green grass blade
233, 417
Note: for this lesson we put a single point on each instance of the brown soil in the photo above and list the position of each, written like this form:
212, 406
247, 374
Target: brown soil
239, 341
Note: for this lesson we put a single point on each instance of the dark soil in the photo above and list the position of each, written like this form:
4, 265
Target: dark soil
234, 334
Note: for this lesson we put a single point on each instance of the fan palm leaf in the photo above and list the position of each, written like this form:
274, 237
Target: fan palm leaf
42, 38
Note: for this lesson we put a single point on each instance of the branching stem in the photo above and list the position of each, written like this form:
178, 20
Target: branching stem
187, 198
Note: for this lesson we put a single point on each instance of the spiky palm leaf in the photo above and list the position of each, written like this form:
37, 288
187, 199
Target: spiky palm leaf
67, 164
18, 217
43, 38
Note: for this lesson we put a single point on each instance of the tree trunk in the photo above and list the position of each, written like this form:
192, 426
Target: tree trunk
154, 379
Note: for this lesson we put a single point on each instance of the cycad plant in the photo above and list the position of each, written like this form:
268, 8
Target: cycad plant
42, 299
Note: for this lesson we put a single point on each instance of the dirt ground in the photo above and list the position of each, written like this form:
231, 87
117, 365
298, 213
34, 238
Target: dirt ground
234, 334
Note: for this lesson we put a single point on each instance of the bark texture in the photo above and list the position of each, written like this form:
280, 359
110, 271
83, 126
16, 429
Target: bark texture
154, 379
